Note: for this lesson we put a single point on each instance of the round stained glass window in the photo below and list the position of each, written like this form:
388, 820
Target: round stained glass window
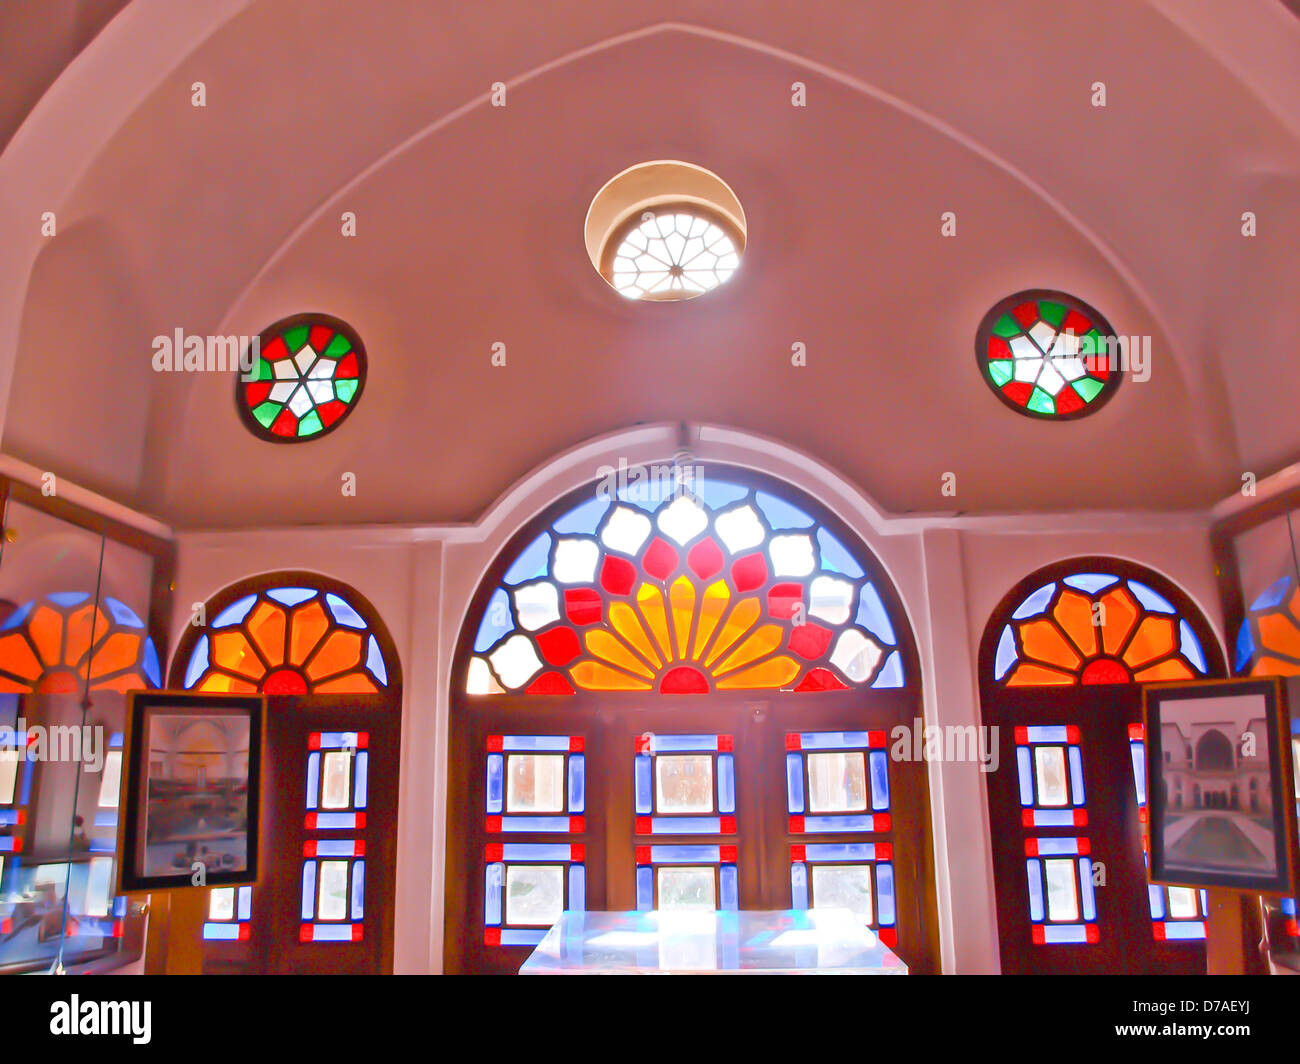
307, 378
1048, 355
672, 253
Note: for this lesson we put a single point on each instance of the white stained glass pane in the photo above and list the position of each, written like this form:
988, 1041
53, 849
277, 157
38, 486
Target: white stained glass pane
843, 887
534, 894
109, 782
99, 884
221, 903
625, 530
8, 776
1182, 903
1027, 369
480, 680
575, 561
792, 555
1049, 767
683, 520
687, 888
739, 529
516, 661
535, 783
1043, 334
1023, 347
684, 783
1062, 890
336, 780
855, 655
830, 599
1050, 380
537, 605
333, 900
837, 782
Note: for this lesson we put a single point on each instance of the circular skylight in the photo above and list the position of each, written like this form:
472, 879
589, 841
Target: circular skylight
673, 254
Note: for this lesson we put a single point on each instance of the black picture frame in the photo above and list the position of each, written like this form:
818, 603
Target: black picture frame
142, 708
1227, 814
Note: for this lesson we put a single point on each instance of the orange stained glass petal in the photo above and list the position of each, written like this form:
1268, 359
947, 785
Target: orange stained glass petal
354, 683
46, 629
681, 596
128, 681
606, 645
712, 607
266, 624
1121, 612
1156, 637
1295, 602
1169, 669
759, 643
1278, 632
593, 676
1074, 614
306, 626
628, 625
84, 623
341, 650
742, 618
1027, 674
651, 602
119, 651
218, 681
1043, 641
772, 673
12, 687
1271, 666
16, 656
232, 650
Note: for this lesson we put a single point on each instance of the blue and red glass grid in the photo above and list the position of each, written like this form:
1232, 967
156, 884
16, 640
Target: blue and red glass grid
571, 821
498, 856
1083, 928
237, 927
650, 746
1033, 815
335, 820
872, 744
349, 927
879, 855
12, 819
723, 858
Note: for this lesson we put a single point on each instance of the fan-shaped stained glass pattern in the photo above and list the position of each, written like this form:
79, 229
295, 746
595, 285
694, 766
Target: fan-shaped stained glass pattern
54, 644
1091, 628
1268, 642
1047, 355
673, 254
724, 587
308, 378
287, 641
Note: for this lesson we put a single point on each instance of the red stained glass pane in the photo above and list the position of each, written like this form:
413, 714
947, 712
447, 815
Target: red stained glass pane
782, 600
1020, 391
347, 366
999, 348
1068, 401
559, 646
1026, 314
257, 392
617, 575
285, 424
320, 337
684, 680
1103, 670
582, 605
550, 683
810, 640
705, 559
1075, 323
821, 680
285, 682
749, 572
660, 559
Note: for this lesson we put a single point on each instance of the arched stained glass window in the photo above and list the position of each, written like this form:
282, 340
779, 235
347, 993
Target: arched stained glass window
54, 644
1096, 628
708, 586
286, 639
1268, 642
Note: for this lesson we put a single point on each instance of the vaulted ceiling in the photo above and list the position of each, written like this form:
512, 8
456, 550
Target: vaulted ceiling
224, 218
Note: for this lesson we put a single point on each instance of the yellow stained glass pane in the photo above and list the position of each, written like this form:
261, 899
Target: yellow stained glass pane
1156, 637
217, 681
306, 627
1027, 674
773, 673
712, 606
1278, 632
759, 643
84, 624
46, 629
16, 656
651, 602
354, 683
742, 618
119, 651
1043, 641
1172, 669
232, 650
606, 645
1121, 612
1074, 614
266, 625
593, 676
341, 650
681, 596
625, 621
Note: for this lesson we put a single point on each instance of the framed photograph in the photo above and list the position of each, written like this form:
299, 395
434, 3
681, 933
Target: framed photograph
191, 790
1220, 790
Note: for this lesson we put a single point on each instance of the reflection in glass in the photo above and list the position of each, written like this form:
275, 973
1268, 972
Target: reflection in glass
534, 894
109, 782
1049, 767
333, 903
336, 786
687, 888
8, 775
535, 783
684, 783
1062, 890
843, 887
1182, 903
837, 782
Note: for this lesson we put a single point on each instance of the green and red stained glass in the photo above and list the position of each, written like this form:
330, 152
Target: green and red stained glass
1047, 355
307, 379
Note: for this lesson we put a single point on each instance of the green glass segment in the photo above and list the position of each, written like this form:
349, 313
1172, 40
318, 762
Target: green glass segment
310, 425
1006, 326
1000, 370
345, 390
338, 347
1054, 313
264, 370
266, 413
295, 338
1088, 388
1041, 403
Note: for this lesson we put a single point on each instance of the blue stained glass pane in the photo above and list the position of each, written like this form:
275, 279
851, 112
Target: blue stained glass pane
1273, 594
584, 518
115, 741
1076, 776
1034, 872
1152, 601
799, 885
122, 613
535, 742
313, 779
375, 662
198, 662
839, 823
794, 782
1288, 904
577, 888
1091, 582
1190, 646
29, 773
1048, 733
780, 514
152, 672
10, 816
1085, 884
532, 561
520, 936
577, 783
308, 889
646, 491
834, 740
1188, 929
716, 494
245, 903
343, 612
1054, 818
836, 556
1053, 847
1006, 656
235, 612
1057, 934
685, 854
1137, 754
726, 783
873, 616
496, 621
68, 598
879, 763
1245, 647
730, 889
18, 616
885, 893
1026, 774
495, 876
644, 790
362, 782
1035, 603
663, 744
102, 819
536, 851
338, 740
220, 932
645, 889
358, 890
336, 821
291, 596
891, 673
1156, 901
